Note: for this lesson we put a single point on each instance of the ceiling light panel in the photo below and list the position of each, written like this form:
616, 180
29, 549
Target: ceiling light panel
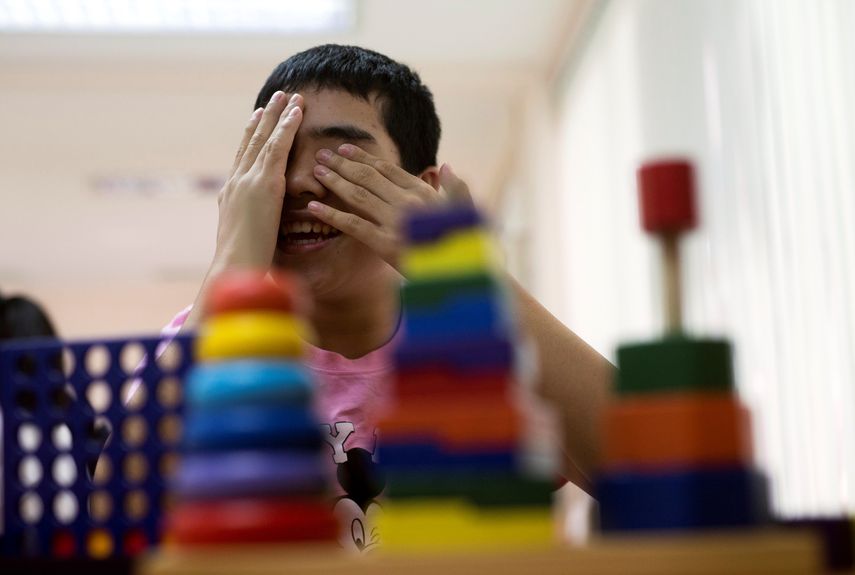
177, 16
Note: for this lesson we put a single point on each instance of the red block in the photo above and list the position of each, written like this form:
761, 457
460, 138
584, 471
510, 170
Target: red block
666, 190
437, 382
253, 290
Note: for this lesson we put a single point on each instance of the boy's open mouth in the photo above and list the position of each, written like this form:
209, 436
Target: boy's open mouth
303, 234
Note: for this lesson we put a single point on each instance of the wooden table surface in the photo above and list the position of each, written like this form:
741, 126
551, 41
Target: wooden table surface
760, 552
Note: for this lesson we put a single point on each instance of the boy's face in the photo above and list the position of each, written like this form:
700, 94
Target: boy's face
332, 264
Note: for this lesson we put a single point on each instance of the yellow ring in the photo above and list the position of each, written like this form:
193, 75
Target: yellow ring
461, 252
242, 334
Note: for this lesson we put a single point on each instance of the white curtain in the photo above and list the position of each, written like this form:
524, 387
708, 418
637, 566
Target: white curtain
761, 94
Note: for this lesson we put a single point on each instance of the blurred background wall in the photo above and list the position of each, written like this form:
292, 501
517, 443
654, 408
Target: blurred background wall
548, 108
157, 112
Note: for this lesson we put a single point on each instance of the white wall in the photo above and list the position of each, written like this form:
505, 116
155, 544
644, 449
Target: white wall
761, 93
113, 265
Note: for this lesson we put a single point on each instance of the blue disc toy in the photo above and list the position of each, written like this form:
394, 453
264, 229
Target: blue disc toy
242, 427
249, 382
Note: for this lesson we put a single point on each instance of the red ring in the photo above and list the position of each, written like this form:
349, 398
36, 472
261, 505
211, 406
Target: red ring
244, 290
253, 520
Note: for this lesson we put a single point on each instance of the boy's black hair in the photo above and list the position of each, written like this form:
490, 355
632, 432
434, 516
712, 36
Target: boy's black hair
23, 318
406, 105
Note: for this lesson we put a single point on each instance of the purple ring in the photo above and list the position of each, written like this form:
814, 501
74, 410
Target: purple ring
245, 473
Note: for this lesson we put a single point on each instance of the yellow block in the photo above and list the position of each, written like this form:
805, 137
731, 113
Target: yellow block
251, 334
466, 251
449, 524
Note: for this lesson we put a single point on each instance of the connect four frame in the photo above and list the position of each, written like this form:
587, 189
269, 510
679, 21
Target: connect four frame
69, 488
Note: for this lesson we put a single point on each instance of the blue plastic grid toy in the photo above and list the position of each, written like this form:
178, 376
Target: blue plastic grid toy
90, 431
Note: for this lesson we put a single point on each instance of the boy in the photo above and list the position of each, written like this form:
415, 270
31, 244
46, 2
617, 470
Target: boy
342, 143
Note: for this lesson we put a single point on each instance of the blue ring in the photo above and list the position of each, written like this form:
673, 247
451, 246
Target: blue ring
260, 427
249, 382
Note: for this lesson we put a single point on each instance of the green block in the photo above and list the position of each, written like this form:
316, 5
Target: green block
431, 293
675, 364
480, 489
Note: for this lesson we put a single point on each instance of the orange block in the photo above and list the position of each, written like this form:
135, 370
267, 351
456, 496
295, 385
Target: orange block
676, 430
456, 423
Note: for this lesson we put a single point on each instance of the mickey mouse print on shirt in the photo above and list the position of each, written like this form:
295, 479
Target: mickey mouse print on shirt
359, 484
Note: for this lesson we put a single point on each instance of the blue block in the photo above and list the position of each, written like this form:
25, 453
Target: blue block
470, 316
249, 382
429, 226
225, 428
681, 500
430, 457
470, 355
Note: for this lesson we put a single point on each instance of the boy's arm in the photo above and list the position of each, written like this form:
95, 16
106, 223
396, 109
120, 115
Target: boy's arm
574, 378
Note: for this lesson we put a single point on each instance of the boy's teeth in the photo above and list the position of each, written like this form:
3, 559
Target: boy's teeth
308, 227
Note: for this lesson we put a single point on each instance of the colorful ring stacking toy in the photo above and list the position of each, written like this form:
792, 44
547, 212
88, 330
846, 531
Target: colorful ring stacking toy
253, 470
677, 452
451, 448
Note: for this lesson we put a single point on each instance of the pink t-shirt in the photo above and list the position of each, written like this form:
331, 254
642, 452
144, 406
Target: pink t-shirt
350, 394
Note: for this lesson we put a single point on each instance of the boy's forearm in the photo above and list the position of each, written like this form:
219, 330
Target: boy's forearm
574, 378
195, 315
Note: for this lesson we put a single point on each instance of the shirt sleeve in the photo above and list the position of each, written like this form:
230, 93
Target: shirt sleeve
167, 335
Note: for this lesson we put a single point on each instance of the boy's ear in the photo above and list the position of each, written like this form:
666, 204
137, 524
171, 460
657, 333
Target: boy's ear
431, 176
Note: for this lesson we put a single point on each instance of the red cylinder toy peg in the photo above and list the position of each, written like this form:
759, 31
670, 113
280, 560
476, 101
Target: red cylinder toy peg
666, 191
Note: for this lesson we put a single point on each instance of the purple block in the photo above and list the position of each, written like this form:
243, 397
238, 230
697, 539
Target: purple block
430, 226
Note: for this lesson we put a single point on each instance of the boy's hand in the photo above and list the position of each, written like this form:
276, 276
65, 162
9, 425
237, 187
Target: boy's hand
380, 195
251, 200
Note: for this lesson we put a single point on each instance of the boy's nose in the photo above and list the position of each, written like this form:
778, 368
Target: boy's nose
300, 178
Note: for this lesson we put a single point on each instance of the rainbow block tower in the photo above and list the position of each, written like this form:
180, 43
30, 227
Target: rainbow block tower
450, 447
677, 449
252, 470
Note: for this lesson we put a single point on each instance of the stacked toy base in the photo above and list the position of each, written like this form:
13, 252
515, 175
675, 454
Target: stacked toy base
449, 449
252, 471
677, 449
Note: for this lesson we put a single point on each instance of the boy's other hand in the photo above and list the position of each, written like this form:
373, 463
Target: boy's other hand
250, 202
380, 194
